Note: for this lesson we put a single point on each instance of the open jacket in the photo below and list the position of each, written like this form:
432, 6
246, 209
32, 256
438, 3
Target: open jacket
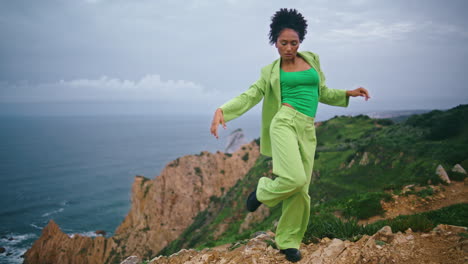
268, 87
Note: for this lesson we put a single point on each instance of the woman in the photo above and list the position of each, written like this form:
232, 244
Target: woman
291, 86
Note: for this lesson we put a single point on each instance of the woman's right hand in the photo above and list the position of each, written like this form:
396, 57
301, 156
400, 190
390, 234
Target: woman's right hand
218, 118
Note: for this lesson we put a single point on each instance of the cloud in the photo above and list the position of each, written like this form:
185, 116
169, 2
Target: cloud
150, 88
444, 29
371, 30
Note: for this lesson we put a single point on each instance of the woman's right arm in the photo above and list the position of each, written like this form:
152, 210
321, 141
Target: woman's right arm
238, 105
218, 119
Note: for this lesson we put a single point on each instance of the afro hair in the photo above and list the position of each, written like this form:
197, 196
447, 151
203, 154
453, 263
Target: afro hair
287, 18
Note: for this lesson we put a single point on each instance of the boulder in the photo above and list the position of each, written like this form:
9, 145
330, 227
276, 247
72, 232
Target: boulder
440, 171
365, 159
449, 229
458, 168
335, 248
384, 234
100, 232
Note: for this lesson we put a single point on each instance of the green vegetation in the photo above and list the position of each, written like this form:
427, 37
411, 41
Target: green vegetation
146, 190
328, 225
144, 179
359, 162
423, 193
457, 176
245, 157
363, 206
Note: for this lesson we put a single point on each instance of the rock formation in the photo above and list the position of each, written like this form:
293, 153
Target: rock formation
54, 246
161, 209
235, 140
458, 168
440, 171
365, 159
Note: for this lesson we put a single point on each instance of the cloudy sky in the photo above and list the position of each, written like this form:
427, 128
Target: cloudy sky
188, 57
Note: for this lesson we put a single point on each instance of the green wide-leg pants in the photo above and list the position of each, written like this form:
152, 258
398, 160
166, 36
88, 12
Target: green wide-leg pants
293, 144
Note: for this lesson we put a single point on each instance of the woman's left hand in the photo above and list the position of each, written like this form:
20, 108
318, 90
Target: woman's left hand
361, 91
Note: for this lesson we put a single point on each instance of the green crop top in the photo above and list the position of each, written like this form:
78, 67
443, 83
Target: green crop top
300, 89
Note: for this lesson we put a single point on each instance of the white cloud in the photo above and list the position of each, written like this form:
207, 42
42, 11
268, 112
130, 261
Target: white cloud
370, 30
444, 29
105, 89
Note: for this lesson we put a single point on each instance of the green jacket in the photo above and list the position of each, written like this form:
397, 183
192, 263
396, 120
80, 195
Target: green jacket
268, 87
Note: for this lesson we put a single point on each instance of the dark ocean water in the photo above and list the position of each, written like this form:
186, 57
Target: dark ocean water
78, 170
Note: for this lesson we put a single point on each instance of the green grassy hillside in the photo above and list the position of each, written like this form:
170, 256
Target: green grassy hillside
359, 161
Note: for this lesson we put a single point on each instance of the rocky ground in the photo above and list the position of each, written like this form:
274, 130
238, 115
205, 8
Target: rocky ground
444, 244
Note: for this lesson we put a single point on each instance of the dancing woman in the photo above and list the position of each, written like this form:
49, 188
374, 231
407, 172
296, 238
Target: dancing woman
291, 88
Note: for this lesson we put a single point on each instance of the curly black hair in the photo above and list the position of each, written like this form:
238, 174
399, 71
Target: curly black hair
287, 18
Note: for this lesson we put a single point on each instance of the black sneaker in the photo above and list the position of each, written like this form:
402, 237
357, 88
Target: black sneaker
292, 254
252, 202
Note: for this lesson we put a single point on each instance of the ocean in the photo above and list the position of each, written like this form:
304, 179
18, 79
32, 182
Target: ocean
78, 170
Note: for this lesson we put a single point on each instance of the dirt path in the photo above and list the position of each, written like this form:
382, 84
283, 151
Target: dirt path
444, 195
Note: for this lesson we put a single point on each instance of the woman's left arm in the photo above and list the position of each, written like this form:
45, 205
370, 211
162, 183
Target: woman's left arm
361, 91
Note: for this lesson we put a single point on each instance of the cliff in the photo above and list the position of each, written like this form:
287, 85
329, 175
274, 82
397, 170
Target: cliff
161, 209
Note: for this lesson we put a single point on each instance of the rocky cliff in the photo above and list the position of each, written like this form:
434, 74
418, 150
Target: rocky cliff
161, 209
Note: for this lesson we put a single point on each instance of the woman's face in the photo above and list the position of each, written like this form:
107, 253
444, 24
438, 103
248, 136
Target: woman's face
287, 44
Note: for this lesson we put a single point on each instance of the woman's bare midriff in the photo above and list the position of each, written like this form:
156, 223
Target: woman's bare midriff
288, 105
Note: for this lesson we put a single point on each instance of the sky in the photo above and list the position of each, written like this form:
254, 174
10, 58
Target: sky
86, 57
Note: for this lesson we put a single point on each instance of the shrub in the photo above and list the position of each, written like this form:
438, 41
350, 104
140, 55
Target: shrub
245, 157
385, 122
257, 141
448, 127
422, 193
457, 176
363, 206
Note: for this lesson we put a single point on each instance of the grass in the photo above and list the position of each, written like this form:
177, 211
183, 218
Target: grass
327, 225
363, 206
